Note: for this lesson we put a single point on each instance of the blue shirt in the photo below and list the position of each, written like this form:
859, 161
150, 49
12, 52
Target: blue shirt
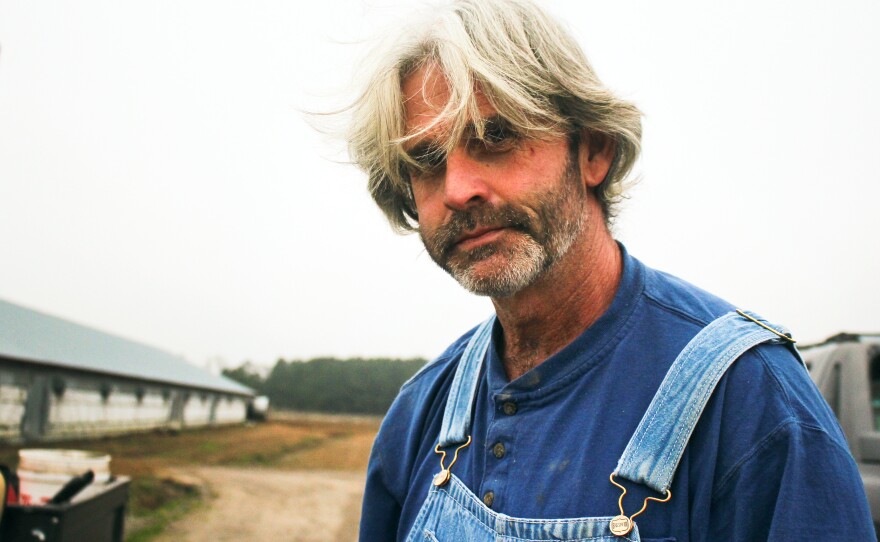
767, 461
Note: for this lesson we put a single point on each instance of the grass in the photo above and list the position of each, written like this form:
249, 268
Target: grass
158, 496
156, 503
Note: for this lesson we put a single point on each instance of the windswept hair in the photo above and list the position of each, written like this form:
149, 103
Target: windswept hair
526, 65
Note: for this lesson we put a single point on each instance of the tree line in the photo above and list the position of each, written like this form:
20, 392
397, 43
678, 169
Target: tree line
353, 386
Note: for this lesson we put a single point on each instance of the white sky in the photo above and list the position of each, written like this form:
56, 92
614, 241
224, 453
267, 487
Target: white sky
158, 181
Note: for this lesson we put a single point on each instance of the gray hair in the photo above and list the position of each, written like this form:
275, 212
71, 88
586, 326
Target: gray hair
524, 62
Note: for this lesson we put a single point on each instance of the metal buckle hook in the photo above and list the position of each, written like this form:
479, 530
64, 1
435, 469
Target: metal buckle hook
442, 477
622, 525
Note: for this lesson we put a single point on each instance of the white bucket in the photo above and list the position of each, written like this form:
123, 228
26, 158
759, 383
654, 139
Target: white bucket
42, 472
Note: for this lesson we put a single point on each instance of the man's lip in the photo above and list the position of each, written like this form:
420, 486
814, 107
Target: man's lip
476, 237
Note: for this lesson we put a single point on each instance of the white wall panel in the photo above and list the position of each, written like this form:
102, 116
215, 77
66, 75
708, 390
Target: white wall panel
197, 410
233, 411
87, 412
12, 399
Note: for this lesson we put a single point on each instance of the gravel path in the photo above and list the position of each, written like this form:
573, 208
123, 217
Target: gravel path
261, 504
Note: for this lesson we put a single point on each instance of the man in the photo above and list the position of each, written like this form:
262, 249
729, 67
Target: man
488, 132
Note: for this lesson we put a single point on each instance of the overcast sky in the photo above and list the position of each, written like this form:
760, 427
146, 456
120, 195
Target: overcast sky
159, 181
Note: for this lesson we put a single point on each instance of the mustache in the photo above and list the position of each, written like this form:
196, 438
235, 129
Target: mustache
460, 222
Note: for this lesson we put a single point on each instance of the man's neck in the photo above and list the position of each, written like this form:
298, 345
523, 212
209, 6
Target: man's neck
548, 315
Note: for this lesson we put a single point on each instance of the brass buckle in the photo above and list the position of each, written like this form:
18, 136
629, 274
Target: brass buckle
442, 477
622, 525
765, 326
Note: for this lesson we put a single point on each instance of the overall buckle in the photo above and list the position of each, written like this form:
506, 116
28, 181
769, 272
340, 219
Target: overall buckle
442, 477
622, 525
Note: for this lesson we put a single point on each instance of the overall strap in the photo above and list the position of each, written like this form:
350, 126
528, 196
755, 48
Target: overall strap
459, 405
656, 447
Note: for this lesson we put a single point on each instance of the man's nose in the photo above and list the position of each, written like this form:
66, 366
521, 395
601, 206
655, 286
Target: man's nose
466, 180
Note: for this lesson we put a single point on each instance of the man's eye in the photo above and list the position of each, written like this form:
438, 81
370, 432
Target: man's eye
427, 161
498, 136
431, 160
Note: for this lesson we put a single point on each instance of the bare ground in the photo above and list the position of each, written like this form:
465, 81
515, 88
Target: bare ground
268, 504
309, 493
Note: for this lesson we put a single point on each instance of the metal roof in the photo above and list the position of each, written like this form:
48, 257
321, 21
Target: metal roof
33, 336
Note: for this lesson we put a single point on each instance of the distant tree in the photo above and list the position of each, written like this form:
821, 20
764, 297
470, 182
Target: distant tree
358, 386
248, 375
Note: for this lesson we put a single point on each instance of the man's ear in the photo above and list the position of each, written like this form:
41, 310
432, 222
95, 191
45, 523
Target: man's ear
595, 155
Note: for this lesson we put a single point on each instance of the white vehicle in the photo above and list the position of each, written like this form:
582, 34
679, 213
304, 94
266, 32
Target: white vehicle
846, 369
258, 408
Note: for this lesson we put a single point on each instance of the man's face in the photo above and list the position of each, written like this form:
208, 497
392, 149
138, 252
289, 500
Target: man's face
495, 213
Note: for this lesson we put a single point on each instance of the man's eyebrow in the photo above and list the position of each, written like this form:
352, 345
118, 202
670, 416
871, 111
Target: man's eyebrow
496, 120
422, 148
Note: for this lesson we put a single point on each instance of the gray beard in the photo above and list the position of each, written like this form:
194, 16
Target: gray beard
526, 261
541, 239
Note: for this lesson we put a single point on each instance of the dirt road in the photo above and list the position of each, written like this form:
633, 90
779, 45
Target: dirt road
281, 505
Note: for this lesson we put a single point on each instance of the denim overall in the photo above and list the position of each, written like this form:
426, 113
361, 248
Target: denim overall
452, 513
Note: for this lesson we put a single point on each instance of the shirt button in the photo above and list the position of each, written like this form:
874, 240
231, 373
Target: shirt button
509, 408
498, 450
489, 498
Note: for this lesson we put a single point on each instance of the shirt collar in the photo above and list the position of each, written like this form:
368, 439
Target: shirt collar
586, 350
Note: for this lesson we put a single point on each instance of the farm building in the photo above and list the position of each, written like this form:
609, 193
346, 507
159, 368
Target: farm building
59, 380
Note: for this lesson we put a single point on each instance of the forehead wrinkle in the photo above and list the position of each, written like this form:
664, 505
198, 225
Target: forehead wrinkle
433, 85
